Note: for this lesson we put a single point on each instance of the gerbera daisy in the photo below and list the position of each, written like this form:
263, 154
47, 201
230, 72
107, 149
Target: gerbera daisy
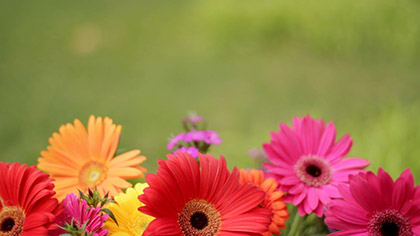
27, 206
79, 159
308, 164
80, 219
204, 200
131, 222
273, 199
376, 206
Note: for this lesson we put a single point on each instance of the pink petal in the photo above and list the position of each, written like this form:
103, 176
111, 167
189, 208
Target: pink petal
331, 191
351, 163
327, 140
340, 149
312, 198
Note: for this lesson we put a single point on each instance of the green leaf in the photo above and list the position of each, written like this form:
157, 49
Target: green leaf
111, 215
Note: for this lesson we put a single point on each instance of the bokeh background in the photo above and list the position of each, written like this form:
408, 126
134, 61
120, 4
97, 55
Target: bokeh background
244, 65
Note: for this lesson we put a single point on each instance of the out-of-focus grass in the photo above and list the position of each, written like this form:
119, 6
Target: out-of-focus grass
245, 66
390, 140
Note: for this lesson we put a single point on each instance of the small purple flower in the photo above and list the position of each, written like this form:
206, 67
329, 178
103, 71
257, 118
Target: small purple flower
193, 119
175, 140
194, 135
191, 150
211, 137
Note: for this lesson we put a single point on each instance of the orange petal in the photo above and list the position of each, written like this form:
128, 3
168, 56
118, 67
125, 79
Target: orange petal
127, 172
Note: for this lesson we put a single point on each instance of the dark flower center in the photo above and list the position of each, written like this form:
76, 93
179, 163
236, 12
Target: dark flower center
315, 171
11, 221
389, 223
199, 220
7, 224
390, 229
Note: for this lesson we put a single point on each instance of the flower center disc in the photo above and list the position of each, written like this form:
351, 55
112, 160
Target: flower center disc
199, 218
389, 223
313, 171
92, 174
11, 221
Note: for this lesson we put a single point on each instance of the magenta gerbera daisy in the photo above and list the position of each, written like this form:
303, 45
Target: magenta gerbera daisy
205, 199
308, 164
375, 205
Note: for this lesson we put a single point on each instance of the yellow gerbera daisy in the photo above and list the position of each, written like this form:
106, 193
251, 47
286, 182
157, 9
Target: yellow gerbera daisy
80, 159
131, 222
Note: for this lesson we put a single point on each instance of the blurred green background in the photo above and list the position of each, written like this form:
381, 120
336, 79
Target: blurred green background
244, 65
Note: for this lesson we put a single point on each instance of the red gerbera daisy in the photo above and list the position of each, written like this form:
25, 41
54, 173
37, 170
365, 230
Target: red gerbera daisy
203, 199
27, 206
376, 206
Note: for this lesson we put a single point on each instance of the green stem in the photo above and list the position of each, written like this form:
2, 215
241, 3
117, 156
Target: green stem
295, 225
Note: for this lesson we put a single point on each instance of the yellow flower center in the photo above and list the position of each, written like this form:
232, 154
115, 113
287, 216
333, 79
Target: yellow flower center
139, 223
199, 218
92, 174
11, 221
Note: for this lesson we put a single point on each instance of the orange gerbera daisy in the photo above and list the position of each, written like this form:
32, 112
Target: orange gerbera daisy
273, 199
80, 159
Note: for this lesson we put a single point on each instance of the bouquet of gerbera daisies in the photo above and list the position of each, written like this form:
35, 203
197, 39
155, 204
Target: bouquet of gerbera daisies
303, 185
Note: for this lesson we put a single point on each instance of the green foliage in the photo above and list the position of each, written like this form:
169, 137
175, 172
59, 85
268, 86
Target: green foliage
94, 199
246, 66
73, 230
391, 140
309, 225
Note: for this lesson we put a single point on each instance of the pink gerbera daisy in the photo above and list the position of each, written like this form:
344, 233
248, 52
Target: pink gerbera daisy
203, 199
308, 164
376, 206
